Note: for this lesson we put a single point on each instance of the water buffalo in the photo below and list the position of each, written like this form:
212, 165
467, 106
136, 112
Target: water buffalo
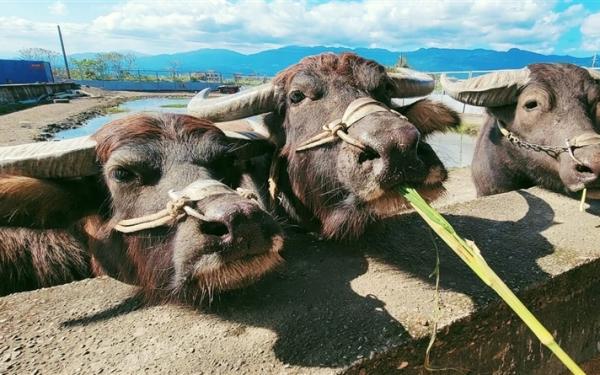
149, 200
342, 145
542, 128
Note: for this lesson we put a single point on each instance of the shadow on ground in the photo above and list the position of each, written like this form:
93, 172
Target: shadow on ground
320, 320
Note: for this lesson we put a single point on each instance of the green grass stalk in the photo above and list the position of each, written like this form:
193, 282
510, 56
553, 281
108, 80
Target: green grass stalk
471, 255
582, 203
174, 105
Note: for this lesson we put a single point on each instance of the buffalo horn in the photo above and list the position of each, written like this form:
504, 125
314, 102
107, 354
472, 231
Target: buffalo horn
253, 128
257, 100
490, 90
594, 73
409, 83
60, 159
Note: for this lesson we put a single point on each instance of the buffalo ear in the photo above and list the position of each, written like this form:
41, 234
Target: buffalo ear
44, 203
248, 149
429, 116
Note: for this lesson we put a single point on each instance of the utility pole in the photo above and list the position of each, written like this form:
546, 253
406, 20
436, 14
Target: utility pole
62, 45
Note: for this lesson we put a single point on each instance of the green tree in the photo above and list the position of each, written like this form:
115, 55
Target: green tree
89, 69
118, 64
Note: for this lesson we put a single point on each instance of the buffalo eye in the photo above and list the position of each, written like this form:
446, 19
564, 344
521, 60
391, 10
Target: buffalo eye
531, 105
297, 96
122, 175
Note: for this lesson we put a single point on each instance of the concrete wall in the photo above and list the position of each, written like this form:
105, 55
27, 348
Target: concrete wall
10, 94
331, 309
148, 86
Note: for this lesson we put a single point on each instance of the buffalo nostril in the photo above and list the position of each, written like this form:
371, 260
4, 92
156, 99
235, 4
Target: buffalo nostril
368, 154
581, 168
214, 228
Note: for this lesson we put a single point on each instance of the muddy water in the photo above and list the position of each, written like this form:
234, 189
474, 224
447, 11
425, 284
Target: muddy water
127, 108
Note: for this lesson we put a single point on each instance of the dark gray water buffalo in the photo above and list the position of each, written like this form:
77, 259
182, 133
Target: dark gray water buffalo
343, 146
542, 129
149, 200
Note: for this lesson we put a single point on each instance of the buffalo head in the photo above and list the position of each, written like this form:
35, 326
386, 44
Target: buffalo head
543, 129
164, 213
343, 145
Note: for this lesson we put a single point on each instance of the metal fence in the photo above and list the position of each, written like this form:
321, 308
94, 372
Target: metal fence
172, 80
145, 75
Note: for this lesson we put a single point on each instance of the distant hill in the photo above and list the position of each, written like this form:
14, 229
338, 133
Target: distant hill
270, 62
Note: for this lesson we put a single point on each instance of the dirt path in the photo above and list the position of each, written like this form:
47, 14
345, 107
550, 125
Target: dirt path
37, 123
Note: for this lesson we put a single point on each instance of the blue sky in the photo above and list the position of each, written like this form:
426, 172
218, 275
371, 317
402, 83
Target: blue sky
152, 27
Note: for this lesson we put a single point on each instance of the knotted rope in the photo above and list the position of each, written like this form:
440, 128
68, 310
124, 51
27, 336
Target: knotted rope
178, 207
338, 128
356, 110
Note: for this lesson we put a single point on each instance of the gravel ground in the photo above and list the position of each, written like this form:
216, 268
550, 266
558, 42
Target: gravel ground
334, 304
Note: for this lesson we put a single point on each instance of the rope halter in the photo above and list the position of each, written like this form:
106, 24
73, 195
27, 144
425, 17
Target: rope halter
582, 140
356, 110
178, 207
338, 128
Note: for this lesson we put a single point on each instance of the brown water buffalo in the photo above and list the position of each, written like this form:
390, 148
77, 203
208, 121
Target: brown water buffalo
542, 128
156, 207
343, 146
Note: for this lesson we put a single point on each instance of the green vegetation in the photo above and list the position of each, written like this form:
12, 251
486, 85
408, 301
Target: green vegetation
468, 128
174, 105
582, 202
106, 65
113, 110
468, 252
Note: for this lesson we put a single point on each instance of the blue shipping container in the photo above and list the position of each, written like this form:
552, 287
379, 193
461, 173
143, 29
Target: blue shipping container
25, 71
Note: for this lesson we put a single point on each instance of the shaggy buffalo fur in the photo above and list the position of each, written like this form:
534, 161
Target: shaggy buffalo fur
335, 189
56, 231
41, 203
35, 258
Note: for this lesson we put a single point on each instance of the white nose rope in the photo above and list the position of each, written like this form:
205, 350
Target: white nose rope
338, 128
356, 110
178, 206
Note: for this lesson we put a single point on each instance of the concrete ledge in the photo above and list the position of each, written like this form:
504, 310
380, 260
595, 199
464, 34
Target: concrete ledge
338, 310
15, 93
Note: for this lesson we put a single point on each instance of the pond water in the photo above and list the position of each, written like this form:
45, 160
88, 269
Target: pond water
455, 150
142, 105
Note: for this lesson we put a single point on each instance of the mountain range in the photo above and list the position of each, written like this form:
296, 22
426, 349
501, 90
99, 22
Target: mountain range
269, 62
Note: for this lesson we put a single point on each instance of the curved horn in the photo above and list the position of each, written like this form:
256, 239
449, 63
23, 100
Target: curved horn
260, 99
594, 73
248, 128
409, 83
490, 90
69, 158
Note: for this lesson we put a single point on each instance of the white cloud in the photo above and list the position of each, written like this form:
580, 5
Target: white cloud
58, 8
590, 31
169, 26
